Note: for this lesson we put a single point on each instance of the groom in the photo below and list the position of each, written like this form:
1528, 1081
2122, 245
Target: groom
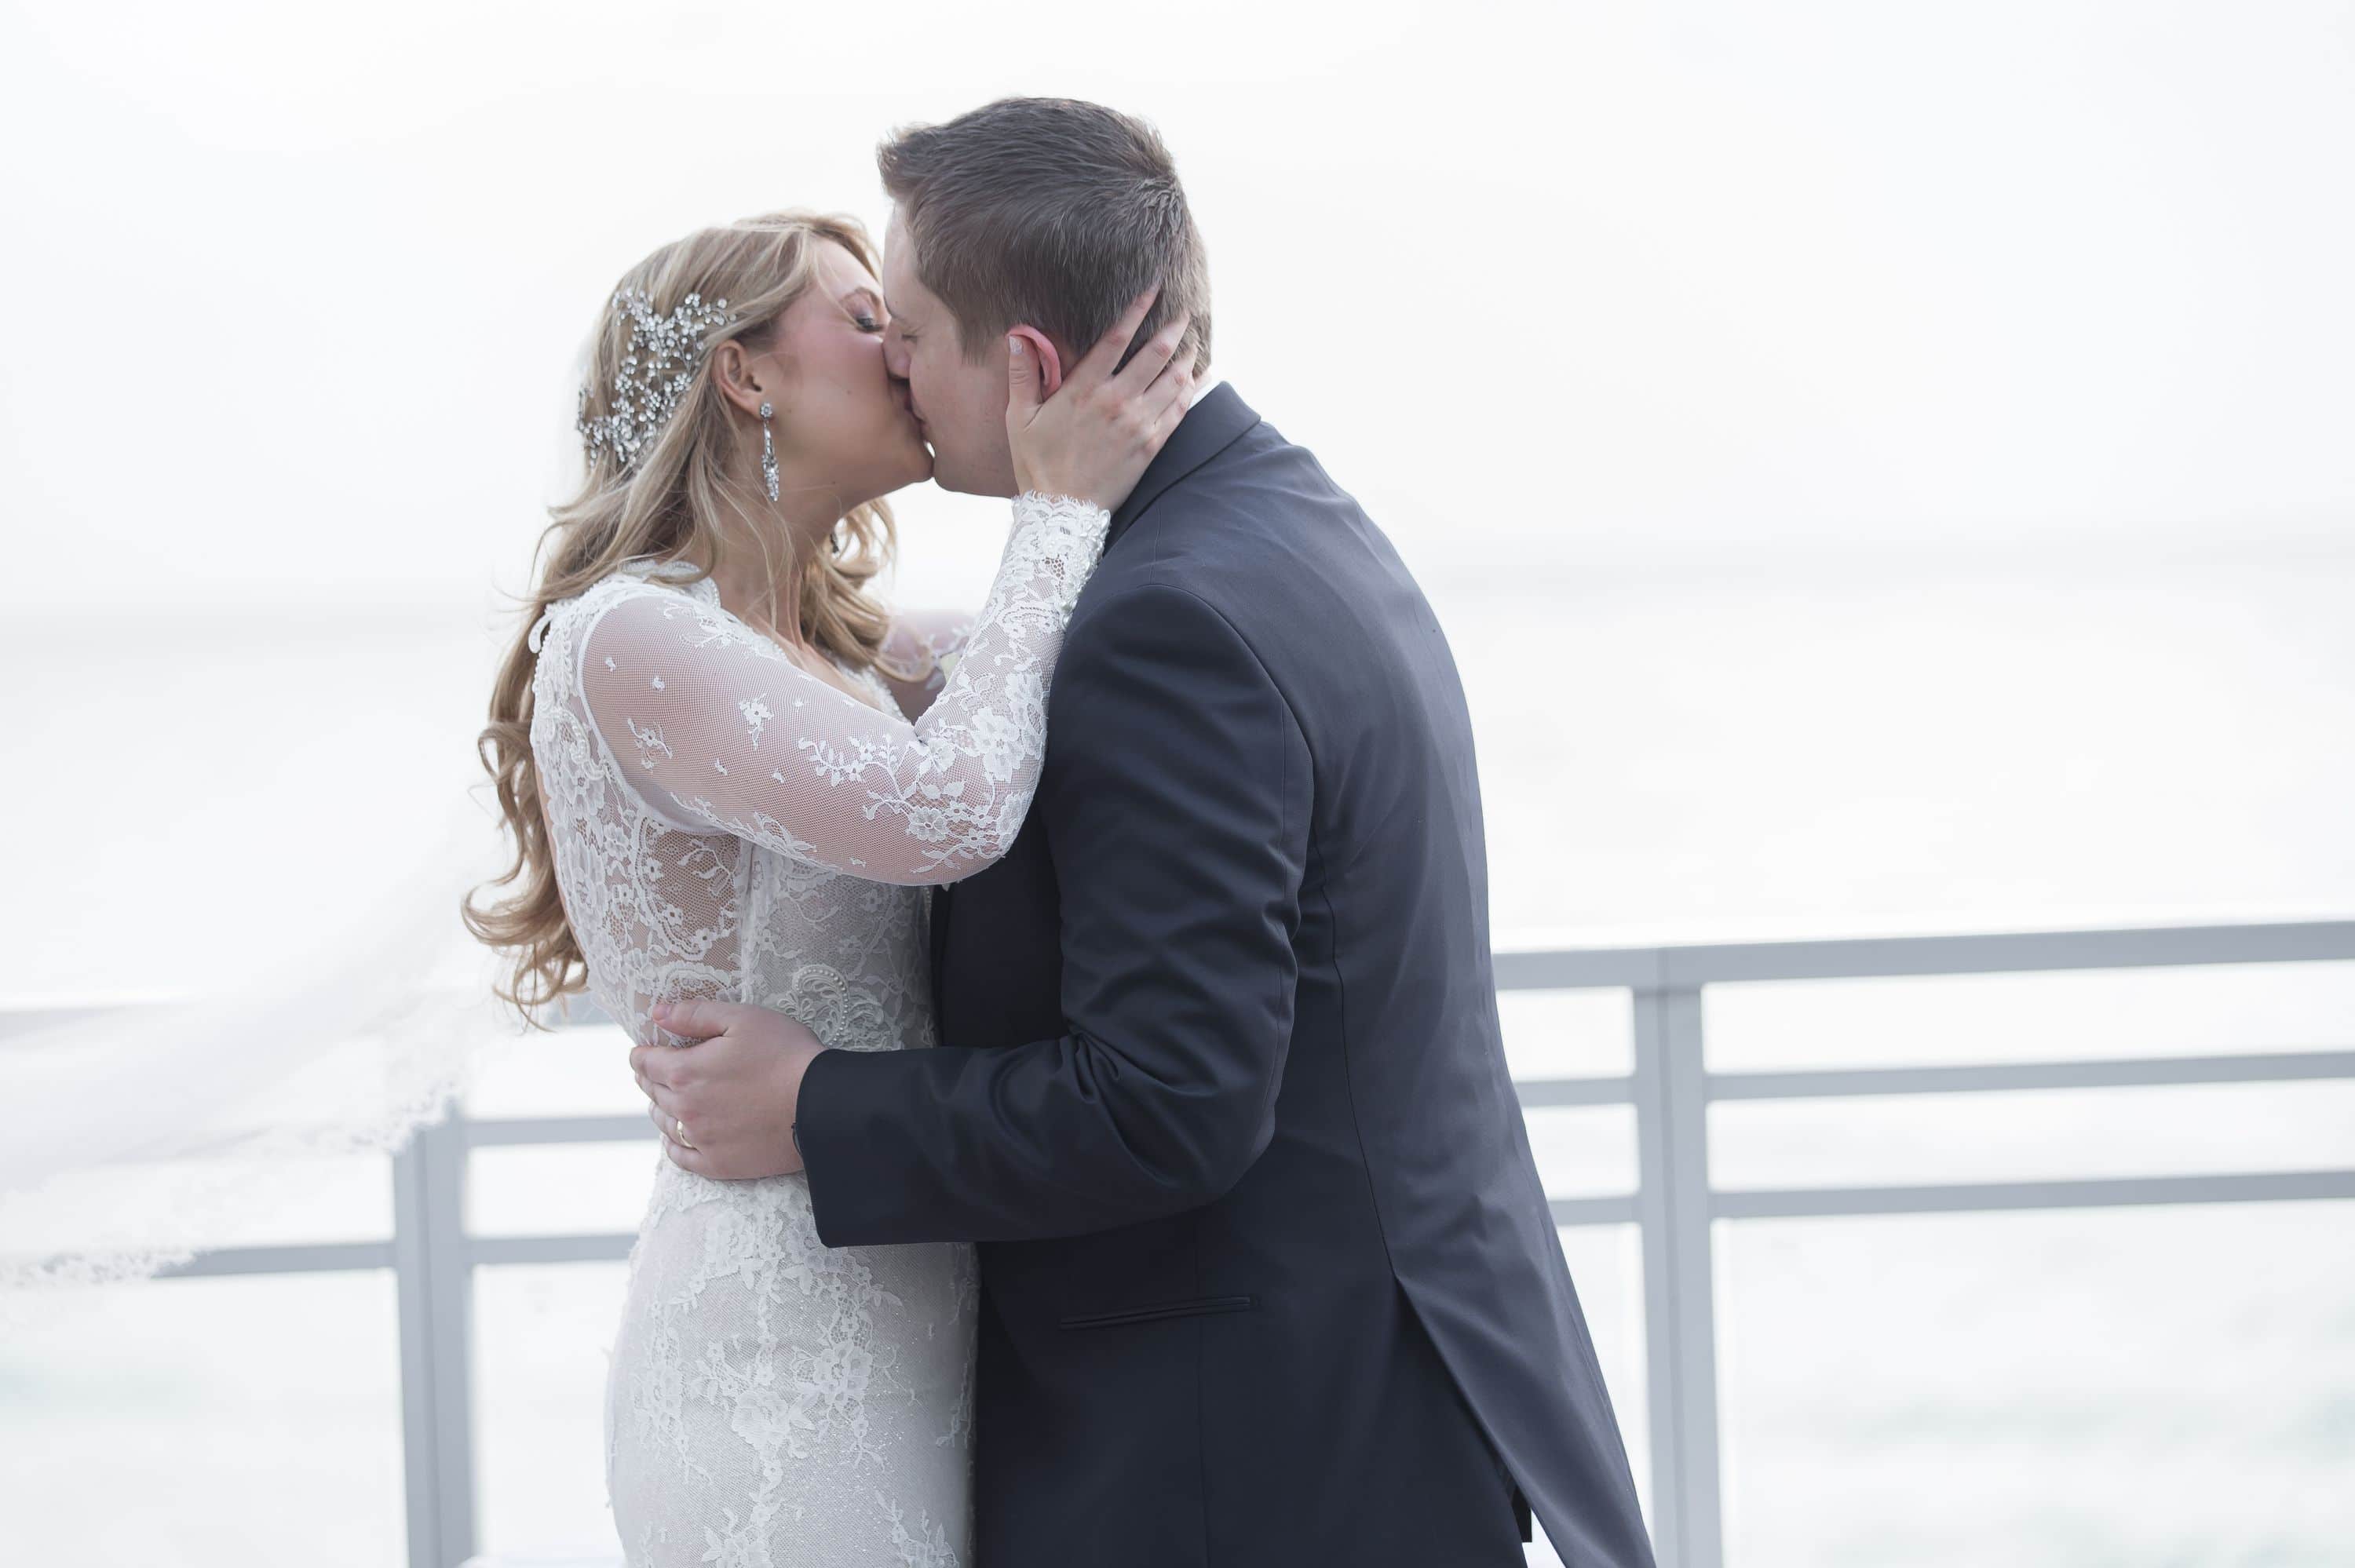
1267, 1274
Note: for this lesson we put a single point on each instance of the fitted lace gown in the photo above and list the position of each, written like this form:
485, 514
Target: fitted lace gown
727, 824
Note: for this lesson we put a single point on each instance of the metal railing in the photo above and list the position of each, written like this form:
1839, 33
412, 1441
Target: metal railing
1673, 1206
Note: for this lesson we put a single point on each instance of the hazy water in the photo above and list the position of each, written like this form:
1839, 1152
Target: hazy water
1664, 754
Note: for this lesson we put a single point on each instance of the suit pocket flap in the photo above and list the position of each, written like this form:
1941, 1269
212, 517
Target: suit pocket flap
1194, 1309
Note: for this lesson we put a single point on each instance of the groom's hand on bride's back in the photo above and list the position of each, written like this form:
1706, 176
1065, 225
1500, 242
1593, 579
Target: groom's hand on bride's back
726, 1101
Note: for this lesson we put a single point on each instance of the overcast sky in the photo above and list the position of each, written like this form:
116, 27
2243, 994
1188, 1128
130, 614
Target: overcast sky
296, 290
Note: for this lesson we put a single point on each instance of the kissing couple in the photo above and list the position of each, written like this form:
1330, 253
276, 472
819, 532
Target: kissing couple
1086, 1132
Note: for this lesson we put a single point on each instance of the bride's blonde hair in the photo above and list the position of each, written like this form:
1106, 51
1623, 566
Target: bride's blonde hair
669, 500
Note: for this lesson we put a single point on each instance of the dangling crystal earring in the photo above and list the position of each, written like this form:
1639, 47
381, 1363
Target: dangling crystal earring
768, 452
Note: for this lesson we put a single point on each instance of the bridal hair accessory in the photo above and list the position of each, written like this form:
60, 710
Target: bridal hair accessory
768, 452
655, 373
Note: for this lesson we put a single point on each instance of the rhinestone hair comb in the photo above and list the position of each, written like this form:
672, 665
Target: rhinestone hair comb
654, 374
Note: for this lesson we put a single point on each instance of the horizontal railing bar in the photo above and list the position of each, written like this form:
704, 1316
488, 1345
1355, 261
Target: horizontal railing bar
1579, 968
1611, 1091
1840, 1082
1872, 957
309, 1257
1680, 967
1795, 1203
555, 1129
1609, 1211
612, 1247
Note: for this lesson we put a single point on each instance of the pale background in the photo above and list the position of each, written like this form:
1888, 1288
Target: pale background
1881, 468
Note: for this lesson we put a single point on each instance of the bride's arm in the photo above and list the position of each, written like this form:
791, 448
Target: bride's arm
712, 723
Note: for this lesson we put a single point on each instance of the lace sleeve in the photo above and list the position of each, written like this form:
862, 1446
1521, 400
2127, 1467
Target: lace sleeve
923, 646
712, 723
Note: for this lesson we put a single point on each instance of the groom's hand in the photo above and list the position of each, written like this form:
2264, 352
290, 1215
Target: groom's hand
736, 1085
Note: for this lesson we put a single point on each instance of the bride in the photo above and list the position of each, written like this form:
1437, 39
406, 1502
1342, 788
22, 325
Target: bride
730, 773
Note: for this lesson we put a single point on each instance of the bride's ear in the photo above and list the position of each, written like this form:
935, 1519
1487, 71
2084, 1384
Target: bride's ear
744, 379
1043, 356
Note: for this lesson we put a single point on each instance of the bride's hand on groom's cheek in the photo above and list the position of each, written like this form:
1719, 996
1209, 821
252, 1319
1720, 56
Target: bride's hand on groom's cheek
725, 1103
1091, 434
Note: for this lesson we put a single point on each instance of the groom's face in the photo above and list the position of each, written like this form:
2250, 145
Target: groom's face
960, 404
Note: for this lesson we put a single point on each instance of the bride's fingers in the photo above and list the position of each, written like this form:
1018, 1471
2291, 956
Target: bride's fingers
1174, 385
1155, 414
1101, 358
1155, 358
1174, 414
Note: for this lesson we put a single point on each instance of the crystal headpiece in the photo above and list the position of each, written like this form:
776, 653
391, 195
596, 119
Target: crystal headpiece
656, 372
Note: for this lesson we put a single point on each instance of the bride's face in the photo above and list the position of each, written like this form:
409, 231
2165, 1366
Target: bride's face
842, 420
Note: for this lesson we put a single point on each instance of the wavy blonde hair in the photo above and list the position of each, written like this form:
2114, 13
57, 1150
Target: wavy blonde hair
671, 503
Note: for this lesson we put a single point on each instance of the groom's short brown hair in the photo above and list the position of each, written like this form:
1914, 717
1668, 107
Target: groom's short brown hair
1051, 213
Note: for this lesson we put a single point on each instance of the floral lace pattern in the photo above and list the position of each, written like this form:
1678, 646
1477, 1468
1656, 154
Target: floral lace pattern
722, 730
726, 823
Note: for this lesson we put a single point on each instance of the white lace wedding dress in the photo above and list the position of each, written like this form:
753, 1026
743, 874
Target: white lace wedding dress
726, 823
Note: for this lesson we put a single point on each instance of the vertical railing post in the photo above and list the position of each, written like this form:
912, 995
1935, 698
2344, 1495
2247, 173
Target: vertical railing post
436, 1294
1671, 1094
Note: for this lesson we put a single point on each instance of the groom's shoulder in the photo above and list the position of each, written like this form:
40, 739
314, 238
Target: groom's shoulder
1257, 550
1243, 512
1203, 542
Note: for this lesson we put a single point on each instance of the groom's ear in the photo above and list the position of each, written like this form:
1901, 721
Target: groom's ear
1044, 356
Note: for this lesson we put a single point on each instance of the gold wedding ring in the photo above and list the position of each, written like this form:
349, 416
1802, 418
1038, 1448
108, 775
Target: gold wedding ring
678, 1130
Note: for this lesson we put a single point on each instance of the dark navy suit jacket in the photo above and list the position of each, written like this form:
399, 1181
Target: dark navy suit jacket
1267, 1273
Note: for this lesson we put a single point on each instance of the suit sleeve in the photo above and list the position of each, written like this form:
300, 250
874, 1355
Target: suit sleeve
1175, 802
